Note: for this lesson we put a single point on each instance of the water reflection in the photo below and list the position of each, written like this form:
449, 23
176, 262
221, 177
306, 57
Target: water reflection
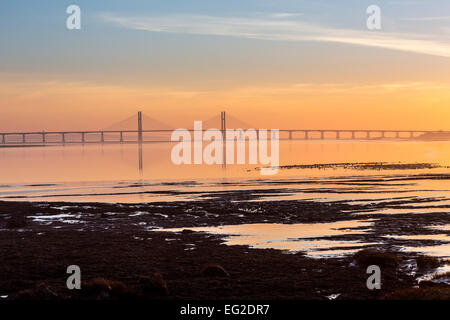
118, 162
141, 160
293, 237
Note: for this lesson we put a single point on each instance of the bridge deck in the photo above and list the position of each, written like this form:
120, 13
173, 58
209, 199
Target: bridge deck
123, 136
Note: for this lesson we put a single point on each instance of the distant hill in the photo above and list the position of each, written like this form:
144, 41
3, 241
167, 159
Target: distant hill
434, 136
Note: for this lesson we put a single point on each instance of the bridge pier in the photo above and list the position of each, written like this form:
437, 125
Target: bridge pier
397, 134
43, 137
353, 135
338, 135
83, 138
290, 135
411, 134
121, 136
367, 135
306, 135
63, 138
102, 137
383, 134
322, 135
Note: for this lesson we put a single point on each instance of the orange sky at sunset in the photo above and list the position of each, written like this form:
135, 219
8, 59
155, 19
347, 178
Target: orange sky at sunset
275, 64
55, 106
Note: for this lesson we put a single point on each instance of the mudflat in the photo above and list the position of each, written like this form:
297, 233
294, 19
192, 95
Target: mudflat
124, 246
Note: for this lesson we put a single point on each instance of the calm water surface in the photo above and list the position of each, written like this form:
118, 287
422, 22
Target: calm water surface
97, 169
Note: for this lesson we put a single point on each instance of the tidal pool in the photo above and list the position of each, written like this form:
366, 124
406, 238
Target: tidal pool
310, 238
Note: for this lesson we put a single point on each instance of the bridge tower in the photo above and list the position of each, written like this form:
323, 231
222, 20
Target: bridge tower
140, 126
223, 123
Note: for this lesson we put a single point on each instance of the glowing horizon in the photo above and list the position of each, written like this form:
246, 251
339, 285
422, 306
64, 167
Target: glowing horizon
274, 64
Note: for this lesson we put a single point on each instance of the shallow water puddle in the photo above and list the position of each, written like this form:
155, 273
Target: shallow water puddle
441, 250
393, 211
63, 217
442, 228
418, 210
292, 237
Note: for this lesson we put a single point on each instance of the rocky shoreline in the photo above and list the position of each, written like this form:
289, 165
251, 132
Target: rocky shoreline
123, 254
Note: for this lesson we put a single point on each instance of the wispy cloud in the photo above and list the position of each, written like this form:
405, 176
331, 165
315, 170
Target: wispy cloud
348, 88
441, 18
281, 15
408, 2
271, 28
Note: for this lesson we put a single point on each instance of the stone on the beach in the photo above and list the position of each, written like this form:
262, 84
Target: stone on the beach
427, 262
40, 292
153, 285
104, 289
214, 270
380, 258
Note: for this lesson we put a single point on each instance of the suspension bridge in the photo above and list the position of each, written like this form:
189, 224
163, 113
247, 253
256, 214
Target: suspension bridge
161, 132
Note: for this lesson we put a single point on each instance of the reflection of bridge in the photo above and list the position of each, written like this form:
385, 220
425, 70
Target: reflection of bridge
138, 136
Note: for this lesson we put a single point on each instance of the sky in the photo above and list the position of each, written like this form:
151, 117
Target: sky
272, 63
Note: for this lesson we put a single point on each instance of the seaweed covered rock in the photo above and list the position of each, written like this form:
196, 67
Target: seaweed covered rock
40, 292
101, 288
214, 270
153, 285
427, 262
369, 257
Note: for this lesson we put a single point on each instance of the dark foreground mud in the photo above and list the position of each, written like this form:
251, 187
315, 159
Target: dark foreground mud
30, 259
122, 255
